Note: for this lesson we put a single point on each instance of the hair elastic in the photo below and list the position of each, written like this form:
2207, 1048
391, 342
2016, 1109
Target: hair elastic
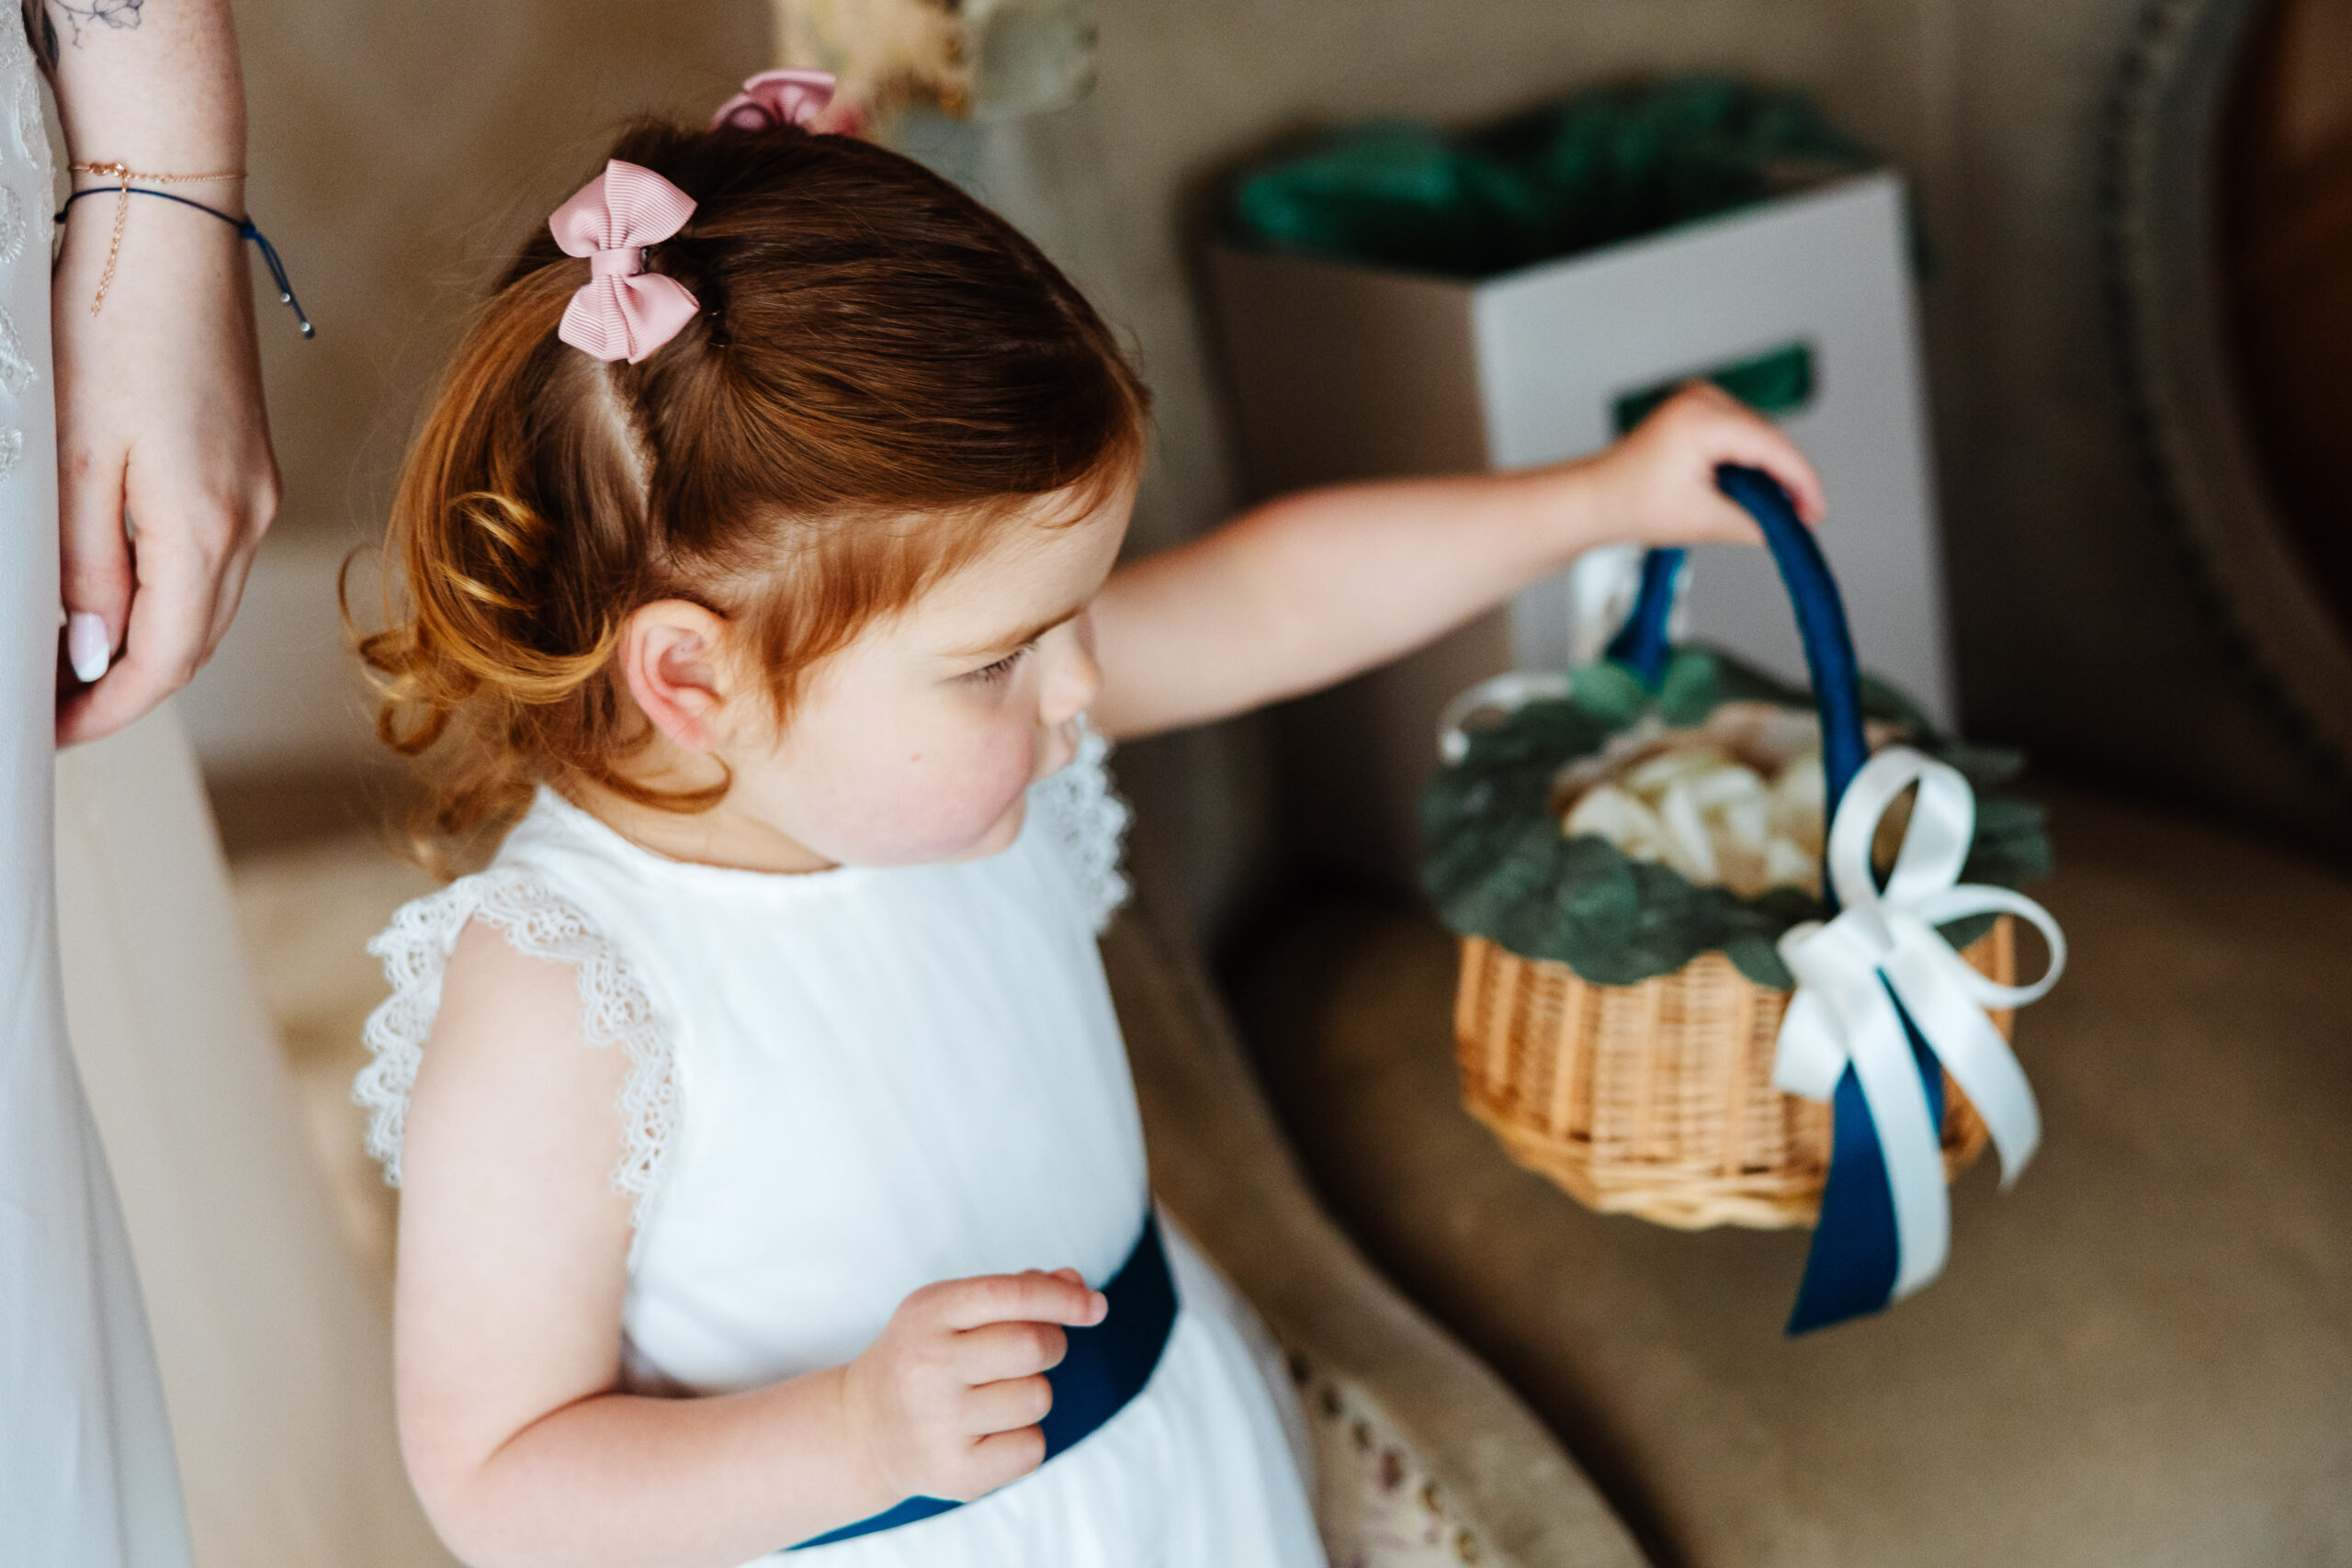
778, 97
125, 190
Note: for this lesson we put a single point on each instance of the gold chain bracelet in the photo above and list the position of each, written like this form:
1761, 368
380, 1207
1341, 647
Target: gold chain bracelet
124, 175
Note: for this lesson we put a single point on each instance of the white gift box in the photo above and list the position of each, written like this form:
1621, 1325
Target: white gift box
1341, 371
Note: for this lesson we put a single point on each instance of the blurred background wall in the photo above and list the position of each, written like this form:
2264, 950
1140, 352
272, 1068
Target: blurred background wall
399, 153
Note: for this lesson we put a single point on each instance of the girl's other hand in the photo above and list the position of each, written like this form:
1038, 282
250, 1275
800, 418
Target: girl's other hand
159, 422
1657, 485
946, 1402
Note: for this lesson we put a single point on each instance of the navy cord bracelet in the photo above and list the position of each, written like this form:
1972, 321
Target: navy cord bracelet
243, 226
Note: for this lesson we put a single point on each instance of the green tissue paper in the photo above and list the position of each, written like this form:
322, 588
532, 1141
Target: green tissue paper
1607, 164
1499, 867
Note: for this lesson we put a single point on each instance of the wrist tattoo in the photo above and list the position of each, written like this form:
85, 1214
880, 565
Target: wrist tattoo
119, 15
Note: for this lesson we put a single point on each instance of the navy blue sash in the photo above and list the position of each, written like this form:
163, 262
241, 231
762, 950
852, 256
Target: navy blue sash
1107, 1366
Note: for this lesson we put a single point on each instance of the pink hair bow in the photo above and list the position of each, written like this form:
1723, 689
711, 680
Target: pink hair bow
777, 97
623, 311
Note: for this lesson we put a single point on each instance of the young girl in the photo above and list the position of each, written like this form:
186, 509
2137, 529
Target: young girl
772, 1171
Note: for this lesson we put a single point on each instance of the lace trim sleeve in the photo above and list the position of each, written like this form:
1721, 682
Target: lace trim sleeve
613, 1010
1088, 821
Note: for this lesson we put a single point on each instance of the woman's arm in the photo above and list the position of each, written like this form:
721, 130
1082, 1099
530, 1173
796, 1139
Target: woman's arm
164, 472
1312, 588
513, 1267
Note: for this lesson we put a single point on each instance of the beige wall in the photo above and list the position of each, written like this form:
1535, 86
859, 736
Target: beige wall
400, 150
399, 153
1120, 185
2079, 631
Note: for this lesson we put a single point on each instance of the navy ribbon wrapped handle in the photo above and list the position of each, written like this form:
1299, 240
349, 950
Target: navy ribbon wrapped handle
1852, 1269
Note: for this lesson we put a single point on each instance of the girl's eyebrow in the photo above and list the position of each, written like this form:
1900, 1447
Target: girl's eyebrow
1021, 640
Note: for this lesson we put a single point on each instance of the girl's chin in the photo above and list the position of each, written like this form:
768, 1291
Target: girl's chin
1001, 835
994, 840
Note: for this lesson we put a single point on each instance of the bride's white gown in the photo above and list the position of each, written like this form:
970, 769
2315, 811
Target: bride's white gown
87, 1473
273, 1354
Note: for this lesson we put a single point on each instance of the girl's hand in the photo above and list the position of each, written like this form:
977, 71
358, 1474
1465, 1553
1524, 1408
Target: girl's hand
946, 1402
166, 480
1657, 485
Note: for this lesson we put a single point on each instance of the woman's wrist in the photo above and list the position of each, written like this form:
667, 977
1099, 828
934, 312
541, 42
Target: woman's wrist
111, 252
135, 204
222, 189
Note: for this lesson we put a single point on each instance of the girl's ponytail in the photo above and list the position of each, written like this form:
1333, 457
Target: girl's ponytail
507, 621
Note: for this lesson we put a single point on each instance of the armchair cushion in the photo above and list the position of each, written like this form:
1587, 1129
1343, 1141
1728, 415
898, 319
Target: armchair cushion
1423, 1456
2143, 1354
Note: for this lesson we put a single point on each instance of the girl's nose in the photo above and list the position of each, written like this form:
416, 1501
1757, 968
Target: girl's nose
1072, 677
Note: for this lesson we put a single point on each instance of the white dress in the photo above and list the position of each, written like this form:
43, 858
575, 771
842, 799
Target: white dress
86, 1474
850, 1084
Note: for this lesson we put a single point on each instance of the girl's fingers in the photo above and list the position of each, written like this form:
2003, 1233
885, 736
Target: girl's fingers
1020, 1297
1703, 422
1748, 438
1727, 520
998, 1351
1007, 1406
1778, 457
1002, 1458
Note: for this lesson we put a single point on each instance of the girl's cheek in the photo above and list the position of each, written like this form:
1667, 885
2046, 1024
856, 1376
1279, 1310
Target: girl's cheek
987, 785
937, 802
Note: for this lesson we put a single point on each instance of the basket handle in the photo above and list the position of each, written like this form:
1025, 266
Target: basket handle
1642, 646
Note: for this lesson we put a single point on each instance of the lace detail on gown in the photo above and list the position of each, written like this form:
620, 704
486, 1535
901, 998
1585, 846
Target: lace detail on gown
1088, 821
613, 1010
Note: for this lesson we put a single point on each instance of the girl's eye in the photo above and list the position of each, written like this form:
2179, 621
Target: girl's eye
990, 674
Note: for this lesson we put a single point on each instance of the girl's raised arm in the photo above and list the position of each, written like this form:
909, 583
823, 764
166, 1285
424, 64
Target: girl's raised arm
1310, 589
165, 477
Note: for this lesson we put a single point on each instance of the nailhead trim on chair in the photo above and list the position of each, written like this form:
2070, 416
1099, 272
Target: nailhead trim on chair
1377, 1505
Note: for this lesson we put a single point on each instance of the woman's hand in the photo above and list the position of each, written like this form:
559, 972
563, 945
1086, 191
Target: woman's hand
946, 1402
1657, 485
165, 479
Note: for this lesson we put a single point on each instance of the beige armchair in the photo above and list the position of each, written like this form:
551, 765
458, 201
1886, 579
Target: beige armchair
1419, 1445
2140, 1355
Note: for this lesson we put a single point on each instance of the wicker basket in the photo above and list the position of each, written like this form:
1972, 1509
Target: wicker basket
1657, 1098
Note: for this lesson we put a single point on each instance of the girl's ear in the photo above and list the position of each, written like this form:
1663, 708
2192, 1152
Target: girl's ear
670, 657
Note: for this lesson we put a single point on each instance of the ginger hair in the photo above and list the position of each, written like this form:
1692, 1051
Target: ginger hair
882, 374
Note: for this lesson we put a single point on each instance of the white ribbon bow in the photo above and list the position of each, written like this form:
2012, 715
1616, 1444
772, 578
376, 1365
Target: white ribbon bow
1884, 941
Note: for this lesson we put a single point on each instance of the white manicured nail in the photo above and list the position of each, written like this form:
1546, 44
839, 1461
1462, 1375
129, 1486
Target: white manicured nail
87, 646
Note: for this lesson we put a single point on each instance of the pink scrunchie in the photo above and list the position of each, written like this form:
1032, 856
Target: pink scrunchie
777, 97
623, 311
